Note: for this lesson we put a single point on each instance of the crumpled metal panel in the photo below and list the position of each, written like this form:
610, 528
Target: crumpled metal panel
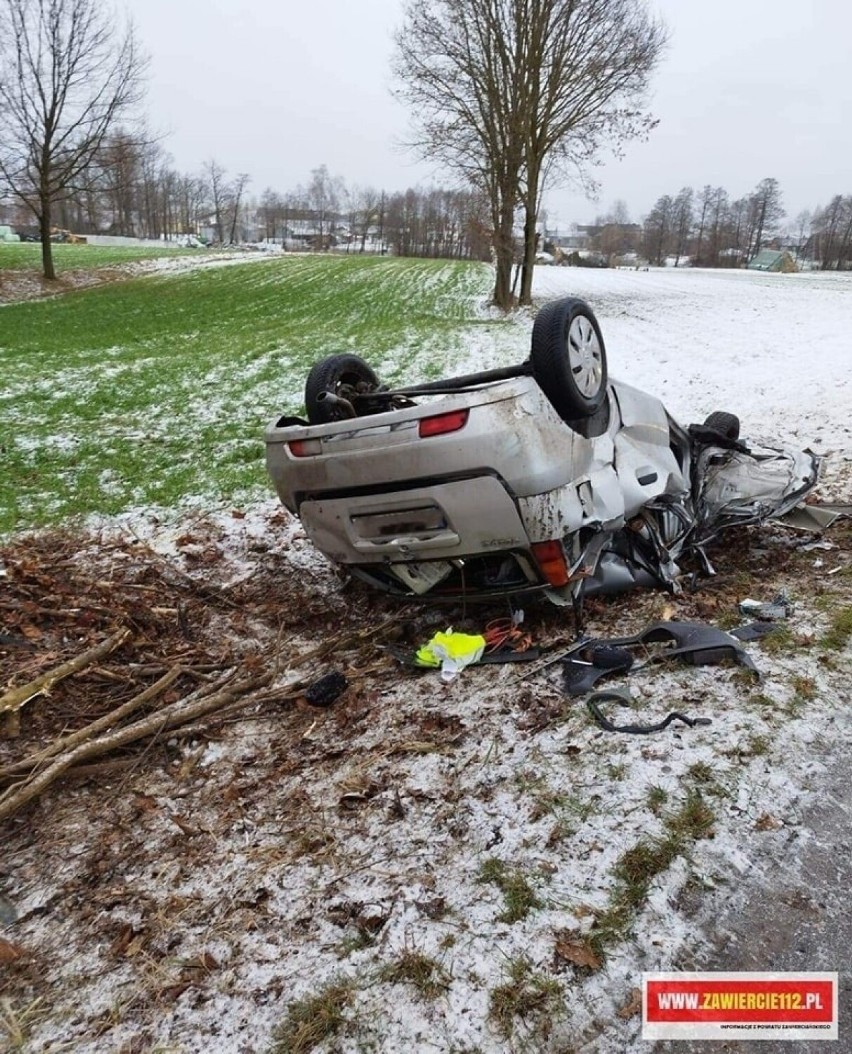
625, 469
738, 488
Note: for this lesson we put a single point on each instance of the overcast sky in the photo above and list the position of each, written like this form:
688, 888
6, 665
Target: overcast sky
747, 89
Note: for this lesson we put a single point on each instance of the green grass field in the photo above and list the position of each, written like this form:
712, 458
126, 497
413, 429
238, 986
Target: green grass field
23, 256
156, 390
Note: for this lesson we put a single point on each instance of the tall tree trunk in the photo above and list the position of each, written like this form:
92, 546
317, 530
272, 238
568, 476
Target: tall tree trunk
530, 240
504, 251
46, 243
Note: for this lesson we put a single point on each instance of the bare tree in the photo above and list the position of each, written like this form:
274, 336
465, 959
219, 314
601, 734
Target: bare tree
459, 64
740, 222
832, 228
220, 195
588, 64
66, 76
324, 196
800, 237
365, 203
718, 209
237, 191
765, 214
118, 164
705, 201
657, 235
512, 91
272, 208
682, 220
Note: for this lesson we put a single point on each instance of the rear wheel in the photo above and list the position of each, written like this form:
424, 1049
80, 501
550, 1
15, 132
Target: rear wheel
727, 425
569, 358
332, 383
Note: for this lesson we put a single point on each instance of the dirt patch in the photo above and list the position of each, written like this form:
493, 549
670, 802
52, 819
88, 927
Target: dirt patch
20, 285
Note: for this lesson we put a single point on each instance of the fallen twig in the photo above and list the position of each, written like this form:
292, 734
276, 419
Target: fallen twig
343, 640
15, 698
94, 728
173, 716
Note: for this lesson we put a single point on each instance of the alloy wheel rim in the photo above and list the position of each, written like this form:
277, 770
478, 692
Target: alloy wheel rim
585, 357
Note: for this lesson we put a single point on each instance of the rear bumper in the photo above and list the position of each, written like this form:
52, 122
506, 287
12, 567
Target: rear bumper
446, 521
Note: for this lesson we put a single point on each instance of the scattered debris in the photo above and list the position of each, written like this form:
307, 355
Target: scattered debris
633, 1006
8, 911
626, 699
573, 947
10, 952
389, 802
755, 631
771, 611
590, 660
814, 519
327, 689
17, 697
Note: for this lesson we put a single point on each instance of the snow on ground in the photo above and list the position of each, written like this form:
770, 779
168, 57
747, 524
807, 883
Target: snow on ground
325, 851
774, 349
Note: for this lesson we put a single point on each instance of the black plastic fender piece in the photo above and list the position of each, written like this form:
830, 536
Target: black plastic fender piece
692, 642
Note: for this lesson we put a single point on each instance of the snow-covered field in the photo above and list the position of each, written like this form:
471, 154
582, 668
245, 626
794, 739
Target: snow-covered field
774, 349
427, 868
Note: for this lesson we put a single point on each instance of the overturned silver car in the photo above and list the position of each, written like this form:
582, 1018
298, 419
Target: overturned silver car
543, 477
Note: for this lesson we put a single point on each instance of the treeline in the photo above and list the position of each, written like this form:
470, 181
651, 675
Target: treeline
713, 229
132, 189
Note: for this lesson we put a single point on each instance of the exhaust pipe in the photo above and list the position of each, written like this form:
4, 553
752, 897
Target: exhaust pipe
330, 399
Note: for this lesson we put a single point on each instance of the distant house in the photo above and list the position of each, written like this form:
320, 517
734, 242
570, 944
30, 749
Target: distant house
773, 260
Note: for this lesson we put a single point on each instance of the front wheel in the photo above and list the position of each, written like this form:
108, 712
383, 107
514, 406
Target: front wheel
727, 425
569, 358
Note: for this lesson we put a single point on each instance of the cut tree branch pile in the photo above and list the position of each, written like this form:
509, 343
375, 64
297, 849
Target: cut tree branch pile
202, 651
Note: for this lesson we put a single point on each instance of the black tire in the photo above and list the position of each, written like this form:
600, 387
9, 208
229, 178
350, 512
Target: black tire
727, 425
339, 375
569, 358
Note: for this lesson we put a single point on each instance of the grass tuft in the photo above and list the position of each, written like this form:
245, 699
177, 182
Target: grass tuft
310, 1021
780, 641
638, 866
427, 975
519, 896
804, 687
525, 994
839, 633
656, 798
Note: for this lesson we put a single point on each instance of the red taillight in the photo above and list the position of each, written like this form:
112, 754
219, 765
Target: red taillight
304, 447
441, 424
550, 557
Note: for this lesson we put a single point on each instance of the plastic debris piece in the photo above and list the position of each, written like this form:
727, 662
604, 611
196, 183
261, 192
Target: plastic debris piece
328, 688
809, 547
609, 657
754, 631
626, 699
690, 642
771, 611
